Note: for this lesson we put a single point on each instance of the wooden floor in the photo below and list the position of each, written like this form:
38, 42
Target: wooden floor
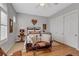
57, 49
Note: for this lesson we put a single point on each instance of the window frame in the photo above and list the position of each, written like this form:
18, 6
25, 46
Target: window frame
4, 11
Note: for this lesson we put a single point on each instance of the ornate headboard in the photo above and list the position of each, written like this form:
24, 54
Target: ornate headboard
33, 29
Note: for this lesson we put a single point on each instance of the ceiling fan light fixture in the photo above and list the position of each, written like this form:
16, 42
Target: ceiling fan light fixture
55, 3
42, 4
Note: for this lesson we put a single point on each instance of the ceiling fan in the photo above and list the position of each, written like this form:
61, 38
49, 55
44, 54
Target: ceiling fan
45, 5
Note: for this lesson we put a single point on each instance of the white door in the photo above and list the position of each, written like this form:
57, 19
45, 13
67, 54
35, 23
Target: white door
53, 27
71, 29
59, 34
56, 26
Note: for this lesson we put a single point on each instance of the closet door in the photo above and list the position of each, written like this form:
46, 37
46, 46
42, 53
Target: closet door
59, 33
71, 29
53, 27
57, 28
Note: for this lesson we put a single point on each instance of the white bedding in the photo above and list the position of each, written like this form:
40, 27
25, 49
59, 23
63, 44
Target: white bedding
28, 39
31, 38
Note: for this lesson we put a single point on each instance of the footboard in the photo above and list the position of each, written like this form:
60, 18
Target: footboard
40, 40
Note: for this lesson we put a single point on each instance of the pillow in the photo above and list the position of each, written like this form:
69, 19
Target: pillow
33, 32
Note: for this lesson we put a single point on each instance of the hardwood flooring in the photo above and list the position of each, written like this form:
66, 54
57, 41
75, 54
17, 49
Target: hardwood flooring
57, 49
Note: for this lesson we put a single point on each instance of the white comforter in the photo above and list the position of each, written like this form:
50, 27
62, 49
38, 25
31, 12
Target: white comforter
28, 39
44, 37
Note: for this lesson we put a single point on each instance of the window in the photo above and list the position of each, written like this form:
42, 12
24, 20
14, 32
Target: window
14, 19
3, 26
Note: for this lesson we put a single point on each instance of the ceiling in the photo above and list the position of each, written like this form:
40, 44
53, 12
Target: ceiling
35, 8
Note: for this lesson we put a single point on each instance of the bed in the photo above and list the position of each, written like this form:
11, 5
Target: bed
36, 40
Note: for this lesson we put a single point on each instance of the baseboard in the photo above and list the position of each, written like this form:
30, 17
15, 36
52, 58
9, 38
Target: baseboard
67, 45
59, 42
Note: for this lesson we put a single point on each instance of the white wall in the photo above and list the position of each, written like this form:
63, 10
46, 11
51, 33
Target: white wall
57, 26
24, 20
7, 44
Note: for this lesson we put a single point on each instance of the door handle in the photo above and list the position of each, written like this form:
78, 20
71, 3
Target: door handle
76, 35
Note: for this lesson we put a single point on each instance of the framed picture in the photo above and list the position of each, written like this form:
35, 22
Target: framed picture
10, 25
44, 27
